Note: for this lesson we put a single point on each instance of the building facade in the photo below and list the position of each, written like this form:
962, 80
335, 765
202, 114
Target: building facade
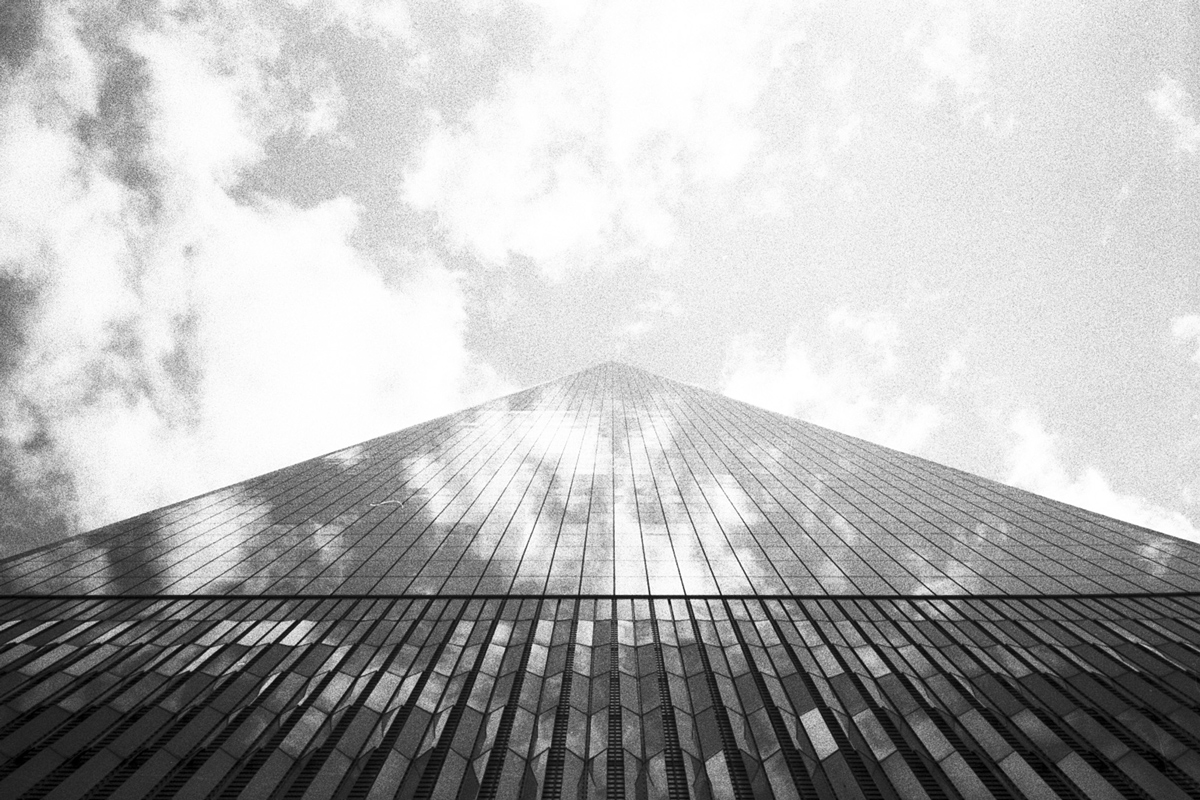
609, 585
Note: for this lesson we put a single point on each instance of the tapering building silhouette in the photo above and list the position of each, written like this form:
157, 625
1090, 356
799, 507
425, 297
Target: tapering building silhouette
611, 585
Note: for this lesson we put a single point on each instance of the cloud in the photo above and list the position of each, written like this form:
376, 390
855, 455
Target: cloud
381, 19
1187, 328
171, 334
1034, 464
878, 332
1173, 105
944, 44
658, 305
945, 38
326, 107
630, 120
952, 366
849, 386
630, 109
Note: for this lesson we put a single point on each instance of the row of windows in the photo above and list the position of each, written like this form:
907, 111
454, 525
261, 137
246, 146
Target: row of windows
541, 696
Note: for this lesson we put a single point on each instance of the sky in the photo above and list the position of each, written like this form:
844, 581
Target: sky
237, 235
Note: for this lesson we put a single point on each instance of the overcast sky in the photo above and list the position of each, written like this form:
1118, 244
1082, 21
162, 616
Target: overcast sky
236, 235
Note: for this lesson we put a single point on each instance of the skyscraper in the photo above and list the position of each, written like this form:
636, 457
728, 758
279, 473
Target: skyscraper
609, 585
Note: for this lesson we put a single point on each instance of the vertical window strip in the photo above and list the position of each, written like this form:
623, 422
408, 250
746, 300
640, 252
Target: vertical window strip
552, 783
373, 762
738, 777
615, 783
791, 755
498, 756
677, 787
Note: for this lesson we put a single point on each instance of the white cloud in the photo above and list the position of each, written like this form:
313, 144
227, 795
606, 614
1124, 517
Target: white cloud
324, 114
658, 305
944, 37
853, 394
1173, 106
944, 44
381, 19
951, 368
878, 332
629, 109
1187, 328
181, 337
202, 114
1034, 464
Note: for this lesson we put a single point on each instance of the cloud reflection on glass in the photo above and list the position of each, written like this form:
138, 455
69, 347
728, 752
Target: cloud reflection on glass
612, 480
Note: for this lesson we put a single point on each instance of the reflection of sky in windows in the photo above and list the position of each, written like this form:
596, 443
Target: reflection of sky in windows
613, 480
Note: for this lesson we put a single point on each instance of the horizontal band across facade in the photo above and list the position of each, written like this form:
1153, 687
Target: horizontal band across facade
612, 697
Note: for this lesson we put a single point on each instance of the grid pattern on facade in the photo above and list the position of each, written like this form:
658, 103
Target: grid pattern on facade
703, 697
614, 480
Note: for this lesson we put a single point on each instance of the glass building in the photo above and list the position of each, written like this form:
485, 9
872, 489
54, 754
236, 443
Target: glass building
610, 585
